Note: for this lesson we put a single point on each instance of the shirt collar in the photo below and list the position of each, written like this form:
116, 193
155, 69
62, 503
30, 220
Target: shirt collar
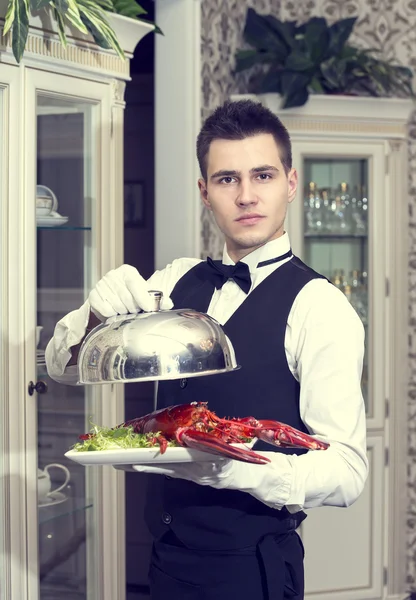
272, 249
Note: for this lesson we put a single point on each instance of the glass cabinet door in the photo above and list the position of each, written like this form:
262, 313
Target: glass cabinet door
336, 232
65, 197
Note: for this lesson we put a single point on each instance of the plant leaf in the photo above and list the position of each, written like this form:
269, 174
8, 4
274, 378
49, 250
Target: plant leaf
286, 30
316, 37
61, 24
295, 98
156, 27
339, 32
316, 86
330, 75
94, 19
294, 89
245, 59
258, 33
20, 28
128, 8
61, 6
271, 82
348, 52
298, 62
11, 9
317, 58
74, 17
106, 4
37, 5
133, 10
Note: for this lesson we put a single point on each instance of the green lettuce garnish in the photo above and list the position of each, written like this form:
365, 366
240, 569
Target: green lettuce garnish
107, 438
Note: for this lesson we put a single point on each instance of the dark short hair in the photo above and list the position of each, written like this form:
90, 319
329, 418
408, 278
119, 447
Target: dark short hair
237, 121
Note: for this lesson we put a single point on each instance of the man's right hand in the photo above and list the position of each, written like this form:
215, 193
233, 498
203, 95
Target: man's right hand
122, 291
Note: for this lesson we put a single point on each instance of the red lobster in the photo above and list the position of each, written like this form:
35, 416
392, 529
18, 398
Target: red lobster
194, 426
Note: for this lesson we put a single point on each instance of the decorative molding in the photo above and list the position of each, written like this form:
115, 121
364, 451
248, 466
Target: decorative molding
87, 57
397, 145
118, 88
390, 110
341, 114
332, 127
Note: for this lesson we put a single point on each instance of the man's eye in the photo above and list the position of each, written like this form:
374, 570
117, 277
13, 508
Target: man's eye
264, 176
227, 180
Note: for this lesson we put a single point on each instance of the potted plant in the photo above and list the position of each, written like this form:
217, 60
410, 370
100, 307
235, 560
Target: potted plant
298, 60
85, 16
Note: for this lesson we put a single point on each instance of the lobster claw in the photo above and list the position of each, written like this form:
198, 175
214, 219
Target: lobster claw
205, 442
279, 434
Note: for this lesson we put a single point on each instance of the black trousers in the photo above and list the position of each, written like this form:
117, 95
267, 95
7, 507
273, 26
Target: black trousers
271, 570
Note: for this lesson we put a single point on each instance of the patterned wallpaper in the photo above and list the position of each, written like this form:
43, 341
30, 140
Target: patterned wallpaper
222, 22
389, 25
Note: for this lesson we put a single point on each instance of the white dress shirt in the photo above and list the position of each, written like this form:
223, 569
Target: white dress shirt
324, 346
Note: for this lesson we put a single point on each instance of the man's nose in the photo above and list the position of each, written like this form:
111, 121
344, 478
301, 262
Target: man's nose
246, 194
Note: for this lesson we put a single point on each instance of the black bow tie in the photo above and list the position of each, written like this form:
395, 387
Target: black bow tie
222, 273
239, 272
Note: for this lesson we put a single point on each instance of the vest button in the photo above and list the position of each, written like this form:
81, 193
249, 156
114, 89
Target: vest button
183, 383
166, 518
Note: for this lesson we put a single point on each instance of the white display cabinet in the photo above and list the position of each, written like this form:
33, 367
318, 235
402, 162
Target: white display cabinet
349, 222
61, 137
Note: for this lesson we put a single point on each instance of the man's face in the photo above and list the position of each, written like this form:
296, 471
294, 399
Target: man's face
248, 191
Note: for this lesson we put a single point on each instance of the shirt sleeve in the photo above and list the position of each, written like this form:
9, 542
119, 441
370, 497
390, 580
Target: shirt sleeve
166, 279
325, 348
70, 330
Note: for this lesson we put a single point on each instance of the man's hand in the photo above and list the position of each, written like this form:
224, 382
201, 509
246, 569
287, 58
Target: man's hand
122, 291
268, 483
214, 474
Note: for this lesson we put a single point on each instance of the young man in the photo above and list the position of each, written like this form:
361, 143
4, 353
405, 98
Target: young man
228, 529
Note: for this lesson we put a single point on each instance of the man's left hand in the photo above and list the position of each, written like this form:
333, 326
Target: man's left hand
217, 474
267, 483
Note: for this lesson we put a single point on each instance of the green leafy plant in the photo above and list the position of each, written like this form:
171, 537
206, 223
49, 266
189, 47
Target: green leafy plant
315, 58
87, 16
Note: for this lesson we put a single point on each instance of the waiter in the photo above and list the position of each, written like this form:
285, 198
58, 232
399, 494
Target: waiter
227, 529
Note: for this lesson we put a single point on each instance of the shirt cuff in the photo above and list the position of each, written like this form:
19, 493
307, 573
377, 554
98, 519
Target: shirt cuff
294, 508
274, 482
69, 332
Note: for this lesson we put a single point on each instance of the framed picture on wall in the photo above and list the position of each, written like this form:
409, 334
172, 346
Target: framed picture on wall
134, 203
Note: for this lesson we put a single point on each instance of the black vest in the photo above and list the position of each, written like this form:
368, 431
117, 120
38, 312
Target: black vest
200, 516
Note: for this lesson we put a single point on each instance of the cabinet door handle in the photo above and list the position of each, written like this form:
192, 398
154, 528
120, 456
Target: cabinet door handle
40, 387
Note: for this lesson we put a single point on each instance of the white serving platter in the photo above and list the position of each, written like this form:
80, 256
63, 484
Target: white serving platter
144, 456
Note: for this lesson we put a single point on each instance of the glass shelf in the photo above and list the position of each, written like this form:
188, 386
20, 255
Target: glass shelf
63, 228
57, 511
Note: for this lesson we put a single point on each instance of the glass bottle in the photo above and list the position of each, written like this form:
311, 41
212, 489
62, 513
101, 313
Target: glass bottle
358, 215
310, 209
341, 226
346, 207
326, 211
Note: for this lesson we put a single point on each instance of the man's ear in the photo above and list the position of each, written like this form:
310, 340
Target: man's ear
292, 179
204, 192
